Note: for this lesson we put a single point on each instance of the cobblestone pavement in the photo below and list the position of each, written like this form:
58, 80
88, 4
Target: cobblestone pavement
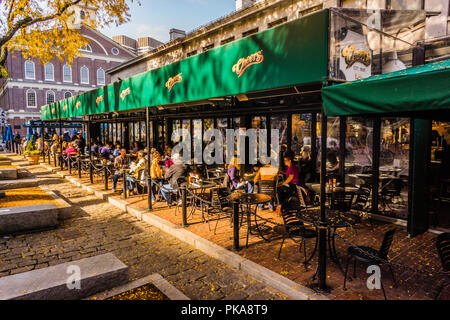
98, 228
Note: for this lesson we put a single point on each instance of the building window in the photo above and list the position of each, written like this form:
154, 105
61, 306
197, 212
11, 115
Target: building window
50, 97
67, 73
87, 48
29, 70
115, 51
31, 99
250, 32
406, 5
84, 75
276, 22
67, 95
49, 72
208, 47
100, 76
192, 53
227, 40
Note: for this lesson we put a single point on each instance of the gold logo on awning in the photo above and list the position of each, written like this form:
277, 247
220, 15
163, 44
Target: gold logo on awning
65, 108
54, 110
243, 63
124, 93
99, 99
78, 105
353, 55
173, 81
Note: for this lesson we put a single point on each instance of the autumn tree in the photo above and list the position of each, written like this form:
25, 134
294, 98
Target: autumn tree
45, 29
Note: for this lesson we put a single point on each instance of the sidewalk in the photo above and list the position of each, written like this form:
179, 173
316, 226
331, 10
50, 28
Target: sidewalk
419, 253
99, 227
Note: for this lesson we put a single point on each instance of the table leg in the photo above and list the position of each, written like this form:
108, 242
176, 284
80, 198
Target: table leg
236, 226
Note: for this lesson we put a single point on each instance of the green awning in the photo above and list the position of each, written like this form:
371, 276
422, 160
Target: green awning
418, 89
291, 54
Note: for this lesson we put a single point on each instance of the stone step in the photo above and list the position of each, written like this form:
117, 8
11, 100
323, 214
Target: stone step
96, 274
8, 174
5, 162
18, 184
28, 218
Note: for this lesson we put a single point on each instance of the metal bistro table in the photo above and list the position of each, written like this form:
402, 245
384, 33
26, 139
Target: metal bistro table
248, 200
334, 220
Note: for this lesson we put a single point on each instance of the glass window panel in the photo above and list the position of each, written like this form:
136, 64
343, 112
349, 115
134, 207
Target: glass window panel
301, 132
394, 167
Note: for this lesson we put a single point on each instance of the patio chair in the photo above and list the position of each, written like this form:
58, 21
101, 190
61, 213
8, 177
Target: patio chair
302, 201
443, 248
342, 201
371, 256
296, 230
391, 190
269, 187
220, 206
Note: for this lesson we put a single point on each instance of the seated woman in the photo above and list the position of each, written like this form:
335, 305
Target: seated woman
155, 171
136, 170
105, 152
234, 178
70, 150
288, 188
135, 150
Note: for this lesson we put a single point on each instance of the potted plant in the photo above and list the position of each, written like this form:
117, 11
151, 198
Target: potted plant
32, 153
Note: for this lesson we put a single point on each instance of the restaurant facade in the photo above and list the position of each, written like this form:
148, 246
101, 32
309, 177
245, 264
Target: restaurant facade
274, 80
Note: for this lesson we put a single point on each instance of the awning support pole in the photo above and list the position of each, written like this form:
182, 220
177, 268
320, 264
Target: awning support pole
149, 158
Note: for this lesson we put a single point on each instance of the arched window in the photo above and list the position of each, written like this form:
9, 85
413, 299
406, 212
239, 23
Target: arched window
67, 95
50, 97
49, 72
100, 76
31, 99
29, 70
87, 48
67, 73
84, 75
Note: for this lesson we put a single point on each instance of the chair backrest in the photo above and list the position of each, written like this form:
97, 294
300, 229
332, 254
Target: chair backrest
386, 245
443, 248
301, 197
219, 197
362, 197
290, 218
267, 187
342, 201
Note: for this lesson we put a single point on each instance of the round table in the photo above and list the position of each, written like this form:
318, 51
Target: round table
333, 221
248, 200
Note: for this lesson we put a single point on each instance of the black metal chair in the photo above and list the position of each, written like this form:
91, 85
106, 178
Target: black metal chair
371, 256
220, 206
342, 201
443, 248
295, 229
269, 187
302, 201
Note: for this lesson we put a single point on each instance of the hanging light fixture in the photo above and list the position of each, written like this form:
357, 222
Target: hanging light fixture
393, 63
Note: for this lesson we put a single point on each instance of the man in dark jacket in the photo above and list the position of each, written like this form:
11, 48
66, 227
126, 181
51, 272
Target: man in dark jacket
176, 172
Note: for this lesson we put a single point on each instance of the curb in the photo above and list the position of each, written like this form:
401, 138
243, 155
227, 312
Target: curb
291, 289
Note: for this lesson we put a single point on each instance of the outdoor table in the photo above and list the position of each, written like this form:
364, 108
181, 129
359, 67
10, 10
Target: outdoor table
247, 199
334, 220
390, 170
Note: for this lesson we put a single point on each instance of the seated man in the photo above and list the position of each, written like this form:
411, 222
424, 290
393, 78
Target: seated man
120, 162
136, 170
105, 151
267, 173
176, 172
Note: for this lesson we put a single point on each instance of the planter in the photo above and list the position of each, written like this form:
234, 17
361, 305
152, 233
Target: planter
33, 159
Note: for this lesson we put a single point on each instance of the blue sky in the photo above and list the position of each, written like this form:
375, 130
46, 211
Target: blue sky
155, 18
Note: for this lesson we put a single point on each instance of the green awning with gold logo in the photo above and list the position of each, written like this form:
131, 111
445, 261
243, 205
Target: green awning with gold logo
294, 53
418, 89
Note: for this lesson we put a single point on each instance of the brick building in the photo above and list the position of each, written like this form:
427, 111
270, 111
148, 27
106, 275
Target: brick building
32, 85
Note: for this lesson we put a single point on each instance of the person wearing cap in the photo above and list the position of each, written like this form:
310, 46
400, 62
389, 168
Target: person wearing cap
174, 174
